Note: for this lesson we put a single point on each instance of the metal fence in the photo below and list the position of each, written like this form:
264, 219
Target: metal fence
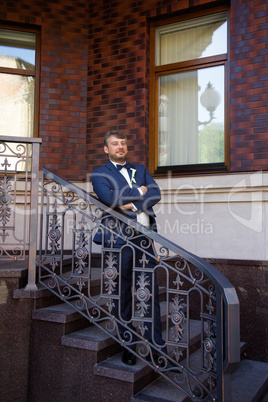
200, 308
19, 181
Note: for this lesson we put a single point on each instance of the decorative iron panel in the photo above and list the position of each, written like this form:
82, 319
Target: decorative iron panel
15, 167
192, 301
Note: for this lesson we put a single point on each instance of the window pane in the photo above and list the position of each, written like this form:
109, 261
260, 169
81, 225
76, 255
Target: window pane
16, 105
17, 49
202, 37
191, 117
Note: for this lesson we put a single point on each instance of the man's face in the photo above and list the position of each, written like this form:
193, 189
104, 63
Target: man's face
116, 149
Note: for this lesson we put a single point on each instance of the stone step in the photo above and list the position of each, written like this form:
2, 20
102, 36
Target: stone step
138, 376
93, 346
108, 354
249, 384
96, 339
160, 391
160, 388
250, 381
93, 339
166, 390
114, 368
62, 313
58, 311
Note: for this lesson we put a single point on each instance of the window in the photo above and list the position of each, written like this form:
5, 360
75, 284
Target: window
18, 82
189, 76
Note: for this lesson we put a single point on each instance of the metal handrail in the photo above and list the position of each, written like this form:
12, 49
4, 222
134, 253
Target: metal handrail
215, 288
26, 152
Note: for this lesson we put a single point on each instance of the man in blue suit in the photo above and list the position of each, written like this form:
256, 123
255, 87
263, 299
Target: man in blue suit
131, 190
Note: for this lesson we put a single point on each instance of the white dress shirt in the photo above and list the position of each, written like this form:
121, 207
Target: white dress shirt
142, 217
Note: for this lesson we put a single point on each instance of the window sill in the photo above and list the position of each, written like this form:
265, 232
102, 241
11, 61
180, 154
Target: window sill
190, 169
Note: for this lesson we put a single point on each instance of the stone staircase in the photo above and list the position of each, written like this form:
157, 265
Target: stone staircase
72, 360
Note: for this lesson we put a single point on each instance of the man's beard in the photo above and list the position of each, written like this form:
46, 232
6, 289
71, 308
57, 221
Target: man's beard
120, 159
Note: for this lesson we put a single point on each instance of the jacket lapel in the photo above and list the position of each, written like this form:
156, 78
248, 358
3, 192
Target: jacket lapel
115, 173
119, 177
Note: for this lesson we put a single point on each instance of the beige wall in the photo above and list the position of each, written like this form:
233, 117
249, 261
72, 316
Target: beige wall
213, 216
216, 216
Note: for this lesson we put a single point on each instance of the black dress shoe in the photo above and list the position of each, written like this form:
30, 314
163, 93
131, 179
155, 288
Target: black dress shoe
128, 358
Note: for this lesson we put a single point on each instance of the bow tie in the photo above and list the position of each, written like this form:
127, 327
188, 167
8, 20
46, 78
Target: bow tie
126, 165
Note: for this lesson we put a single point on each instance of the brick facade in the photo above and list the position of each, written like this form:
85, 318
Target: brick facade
63, 84
94, 76
248, 85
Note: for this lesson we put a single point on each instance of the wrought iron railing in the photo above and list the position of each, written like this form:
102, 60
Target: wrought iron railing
19, 181
199, 302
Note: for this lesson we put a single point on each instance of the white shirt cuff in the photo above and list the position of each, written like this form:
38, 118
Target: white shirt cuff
134, 209
140, 191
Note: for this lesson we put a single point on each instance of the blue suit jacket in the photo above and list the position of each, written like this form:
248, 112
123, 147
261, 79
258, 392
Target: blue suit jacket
113, 190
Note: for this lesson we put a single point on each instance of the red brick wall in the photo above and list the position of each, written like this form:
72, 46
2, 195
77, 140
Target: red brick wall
94, 77
249, 85
118, 92
63, 86
118, 82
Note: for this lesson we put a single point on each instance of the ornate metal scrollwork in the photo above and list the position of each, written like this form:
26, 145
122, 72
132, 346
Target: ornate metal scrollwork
110, 305
54, 235
189, 299
177, 318
110, 273
81, 252
14, 220
143, 328
143, 294
210, 332
5, 202
210, 355
178, 282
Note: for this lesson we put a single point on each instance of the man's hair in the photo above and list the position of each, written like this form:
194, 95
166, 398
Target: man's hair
116, 133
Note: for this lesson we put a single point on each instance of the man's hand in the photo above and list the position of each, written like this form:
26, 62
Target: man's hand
127, 206
143, 189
